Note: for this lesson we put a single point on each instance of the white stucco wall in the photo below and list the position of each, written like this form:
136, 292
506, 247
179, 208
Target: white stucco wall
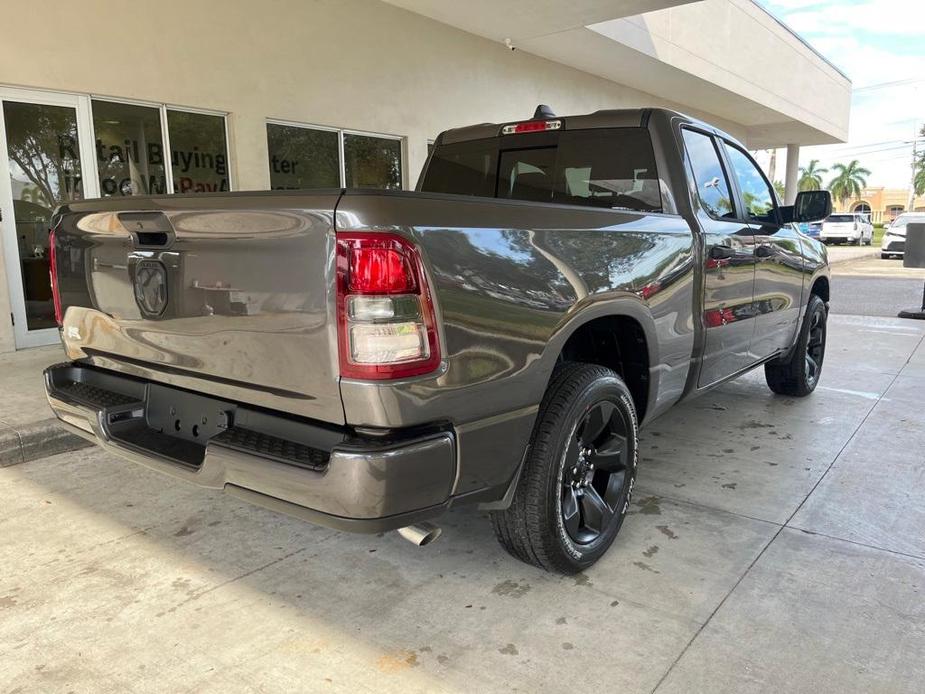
358, 64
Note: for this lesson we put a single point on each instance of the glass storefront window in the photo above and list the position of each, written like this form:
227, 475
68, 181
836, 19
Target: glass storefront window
372, 162
302, 157
129, 149
198, 152
44, 160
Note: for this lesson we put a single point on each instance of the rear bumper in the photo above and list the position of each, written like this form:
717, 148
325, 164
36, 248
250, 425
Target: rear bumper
317, 472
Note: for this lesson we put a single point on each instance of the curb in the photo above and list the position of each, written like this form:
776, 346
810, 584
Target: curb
36, 440
851, 259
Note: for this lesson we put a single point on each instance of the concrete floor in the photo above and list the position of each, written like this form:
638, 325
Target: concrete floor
774, 545
873, 286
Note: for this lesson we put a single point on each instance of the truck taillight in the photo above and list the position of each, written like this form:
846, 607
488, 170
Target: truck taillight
53, 276
387, 328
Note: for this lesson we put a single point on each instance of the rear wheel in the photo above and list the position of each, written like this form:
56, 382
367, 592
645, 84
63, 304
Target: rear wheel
799, 374
578, 476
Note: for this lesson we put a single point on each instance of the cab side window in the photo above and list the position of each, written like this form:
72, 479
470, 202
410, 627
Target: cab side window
757, 195
709, 175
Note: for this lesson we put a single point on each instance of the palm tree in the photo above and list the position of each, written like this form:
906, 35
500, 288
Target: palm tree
849, 181
918, 182
811, 176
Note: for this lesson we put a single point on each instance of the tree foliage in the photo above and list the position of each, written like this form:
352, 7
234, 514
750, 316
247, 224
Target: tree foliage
919, 181
849, 181
811, 176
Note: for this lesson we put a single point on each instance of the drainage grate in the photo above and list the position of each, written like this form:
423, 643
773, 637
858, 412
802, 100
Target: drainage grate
273, 447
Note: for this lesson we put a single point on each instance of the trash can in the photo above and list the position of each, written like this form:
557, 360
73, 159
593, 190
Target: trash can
914, 256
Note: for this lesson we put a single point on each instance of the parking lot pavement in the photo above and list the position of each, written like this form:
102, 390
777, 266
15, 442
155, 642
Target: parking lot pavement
874, 286
774, 544
841, 254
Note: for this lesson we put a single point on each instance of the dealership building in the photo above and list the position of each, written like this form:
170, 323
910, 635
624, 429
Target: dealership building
121, 98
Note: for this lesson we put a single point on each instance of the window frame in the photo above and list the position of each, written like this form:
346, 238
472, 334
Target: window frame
229, 169
162, 108
745, 218
341, 159
724, 165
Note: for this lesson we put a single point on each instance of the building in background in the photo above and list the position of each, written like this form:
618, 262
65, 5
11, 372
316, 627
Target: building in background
124, 99
883, 204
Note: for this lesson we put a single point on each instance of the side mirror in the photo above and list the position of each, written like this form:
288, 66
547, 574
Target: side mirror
810, 206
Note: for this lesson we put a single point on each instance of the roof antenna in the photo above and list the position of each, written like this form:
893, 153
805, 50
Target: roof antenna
543, 111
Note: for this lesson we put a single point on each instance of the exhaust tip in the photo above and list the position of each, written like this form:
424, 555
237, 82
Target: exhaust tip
420, 534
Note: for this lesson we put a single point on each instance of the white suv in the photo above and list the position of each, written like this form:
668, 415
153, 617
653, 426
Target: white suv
894, 238
853, 227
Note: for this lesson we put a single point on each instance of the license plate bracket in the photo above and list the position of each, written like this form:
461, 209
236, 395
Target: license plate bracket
186, 415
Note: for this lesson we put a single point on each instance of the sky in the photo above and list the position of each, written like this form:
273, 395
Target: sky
880, 45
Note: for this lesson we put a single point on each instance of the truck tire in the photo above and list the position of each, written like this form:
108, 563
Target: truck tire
799, 374
578, 474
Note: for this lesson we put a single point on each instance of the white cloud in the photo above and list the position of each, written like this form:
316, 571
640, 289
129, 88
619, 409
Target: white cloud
894, 17
873, 42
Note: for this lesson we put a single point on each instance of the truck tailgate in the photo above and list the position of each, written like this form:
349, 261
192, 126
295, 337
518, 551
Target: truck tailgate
229, 295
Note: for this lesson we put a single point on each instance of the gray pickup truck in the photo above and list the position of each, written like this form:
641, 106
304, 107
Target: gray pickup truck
367, 359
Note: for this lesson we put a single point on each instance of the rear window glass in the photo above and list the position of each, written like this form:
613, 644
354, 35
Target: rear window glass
840, 218
612, 168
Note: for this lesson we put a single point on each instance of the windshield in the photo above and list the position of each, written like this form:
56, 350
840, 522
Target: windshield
606, 167
840, 218
904, 220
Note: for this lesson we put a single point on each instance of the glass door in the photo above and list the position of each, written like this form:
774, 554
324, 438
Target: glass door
45, 160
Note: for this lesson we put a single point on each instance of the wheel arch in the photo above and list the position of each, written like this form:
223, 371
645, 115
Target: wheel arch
820, 287
619, 334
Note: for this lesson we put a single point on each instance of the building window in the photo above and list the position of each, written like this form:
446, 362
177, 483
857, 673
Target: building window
893, 211
131, 147
304, 157
198, 152
372, 162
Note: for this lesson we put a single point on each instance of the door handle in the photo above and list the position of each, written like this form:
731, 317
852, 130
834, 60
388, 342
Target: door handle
722, 252
764, 251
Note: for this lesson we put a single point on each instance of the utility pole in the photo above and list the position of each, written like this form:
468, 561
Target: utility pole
910, 207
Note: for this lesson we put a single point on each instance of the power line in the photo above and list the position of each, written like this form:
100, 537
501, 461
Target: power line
884, 85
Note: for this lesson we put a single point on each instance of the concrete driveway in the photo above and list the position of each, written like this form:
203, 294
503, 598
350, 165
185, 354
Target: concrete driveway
774, 545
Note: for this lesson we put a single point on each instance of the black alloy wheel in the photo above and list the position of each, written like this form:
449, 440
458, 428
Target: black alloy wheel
595, 473
797, 373
815, 347
577, 478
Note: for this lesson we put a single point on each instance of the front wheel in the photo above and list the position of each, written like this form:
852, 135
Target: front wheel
578, 475
799, 374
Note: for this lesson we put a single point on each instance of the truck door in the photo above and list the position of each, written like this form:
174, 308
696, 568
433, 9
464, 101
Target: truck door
778, 256
729, 262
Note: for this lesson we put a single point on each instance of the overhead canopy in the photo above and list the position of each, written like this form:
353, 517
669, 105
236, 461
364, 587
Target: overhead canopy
725, 58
